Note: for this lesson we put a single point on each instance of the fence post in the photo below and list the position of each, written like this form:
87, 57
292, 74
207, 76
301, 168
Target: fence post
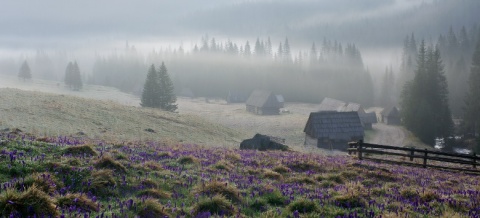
412, 151
425, 159
359, 149
474, 160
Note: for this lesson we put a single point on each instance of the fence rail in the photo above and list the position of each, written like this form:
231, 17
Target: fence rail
366, 151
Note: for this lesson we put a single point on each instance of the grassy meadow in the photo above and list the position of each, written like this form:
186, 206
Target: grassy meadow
67, 177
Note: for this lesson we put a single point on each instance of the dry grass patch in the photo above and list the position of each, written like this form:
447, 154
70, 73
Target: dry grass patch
270, 174
31, 202
281, 169
44, 182
80, 150
154, 193
218, 204
187, 160
108, 162
221, 188
223, 165
151, 208
77, 200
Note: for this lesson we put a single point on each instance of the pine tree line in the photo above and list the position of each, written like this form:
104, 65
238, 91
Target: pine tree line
158, 91
472, 100
424, 100
24, 72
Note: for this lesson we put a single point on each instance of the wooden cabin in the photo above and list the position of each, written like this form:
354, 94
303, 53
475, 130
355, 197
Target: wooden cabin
391, 116
333, 129
263, 102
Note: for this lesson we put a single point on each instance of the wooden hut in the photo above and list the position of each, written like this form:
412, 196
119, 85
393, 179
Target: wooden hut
391, 116
281, 101
333, 129
236, 97
330, 104
263, 102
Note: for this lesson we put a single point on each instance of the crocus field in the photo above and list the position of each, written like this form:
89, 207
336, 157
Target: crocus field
66, 177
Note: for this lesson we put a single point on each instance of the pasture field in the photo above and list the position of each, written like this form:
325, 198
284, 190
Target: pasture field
67, 177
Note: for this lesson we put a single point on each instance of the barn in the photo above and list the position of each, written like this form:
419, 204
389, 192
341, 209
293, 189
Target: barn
391, 116
263, 102
333, 129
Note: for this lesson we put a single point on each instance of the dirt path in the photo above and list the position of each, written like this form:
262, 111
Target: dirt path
388, 135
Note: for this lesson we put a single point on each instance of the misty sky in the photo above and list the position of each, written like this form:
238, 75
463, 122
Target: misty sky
51, 23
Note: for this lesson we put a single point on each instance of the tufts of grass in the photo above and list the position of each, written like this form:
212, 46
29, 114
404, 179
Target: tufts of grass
429, 196
281, 169
154, 193
303, 206
337, 178
151, 208
302, 180
43, 181
381, 176
267, 173
218, 205
187, 160
409, 193
220, 188
349, 174
80, 150
232, 156
77, 200
101, 182
223, 165
350, 200
148, 183
259, 205
327, 184
152, 165
275, 198
109, 163
31, 202
302, 166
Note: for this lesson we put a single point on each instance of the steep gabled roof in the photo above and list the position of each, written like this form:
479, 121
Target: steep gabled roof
390, 111
350, 107
334, 125
262, 98
330, 104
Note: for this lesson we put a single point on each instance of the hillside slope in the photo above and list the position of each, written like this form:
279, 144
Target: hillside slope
54, 115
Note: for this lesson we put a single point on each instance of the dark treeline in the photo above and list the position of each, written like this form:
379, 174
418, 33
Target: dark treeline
213, 68
456, 47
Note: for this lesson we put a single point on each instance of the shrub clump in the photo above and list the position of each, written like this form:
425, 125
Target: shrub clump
78, 200
219, 188
80, 150
218, 205
109, 163
151, 208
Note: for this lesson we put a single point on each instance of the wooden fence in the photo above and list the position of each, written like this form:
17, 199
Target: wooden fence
434, 159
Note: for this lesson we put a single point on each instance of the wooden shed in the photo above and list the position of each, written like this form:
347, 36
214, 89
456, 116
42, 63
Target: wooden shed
263, 103
333, 129
236, 97
391, 116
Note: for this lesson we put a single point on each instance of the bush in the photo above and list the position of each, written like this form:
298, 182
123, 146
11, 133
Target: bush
218, 205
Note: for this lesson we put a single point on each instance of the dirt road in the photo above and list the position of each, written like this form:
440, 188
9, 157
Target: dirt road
387, 135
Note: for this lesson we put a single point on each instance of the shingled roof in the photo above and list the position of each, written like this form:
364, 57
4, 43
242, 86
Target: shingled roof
390, 111
262, 98
334, 125
330, 104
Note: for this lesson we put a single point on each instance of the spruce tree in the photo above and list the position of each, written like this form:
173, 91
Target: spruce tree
151, 89
424, 100
472, 101
76, 77
24, 71
167, 96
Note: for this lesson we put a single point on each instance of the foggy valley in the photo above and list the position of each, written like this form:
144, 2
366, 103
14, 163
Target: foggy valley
240, 108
